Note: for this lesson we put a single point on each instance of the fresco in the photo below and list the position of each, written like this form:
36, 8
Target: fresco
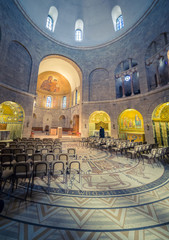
160, 119
50, 85
131, 120
53, 83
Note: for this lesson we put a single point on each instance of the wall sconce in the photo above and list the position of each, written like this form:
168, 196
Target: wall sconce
148, 127
113, 126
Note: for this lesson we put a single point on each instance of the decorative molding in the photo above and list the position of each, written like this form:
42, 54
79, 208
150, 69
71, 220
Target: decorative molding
17, 90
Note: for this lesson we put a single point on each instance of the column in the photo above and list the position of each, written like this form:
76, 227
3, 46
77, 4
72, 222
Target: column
122, 78
131, 79
157, 72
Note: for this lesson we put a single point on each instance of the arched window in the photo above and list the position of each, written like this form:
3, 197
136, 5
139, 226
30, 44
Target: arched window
52, 18
117, 18
49, 102
64, 102
119, 23
76, 94
49, 23
79, 30
78, 35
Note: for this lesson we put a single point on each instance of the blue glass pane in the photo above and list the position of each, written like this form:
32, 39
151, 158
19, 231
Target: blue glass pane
49, 102
78, 35
49, 23
119, 23
64, 102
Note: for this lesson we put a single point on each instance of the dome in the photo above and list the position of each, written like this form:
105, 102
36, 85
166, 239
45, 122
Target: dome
96, 19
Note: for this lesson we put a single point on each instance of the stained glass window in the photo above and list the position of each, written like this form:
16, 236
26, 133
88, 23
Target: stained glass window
49, 102
76, 97
127, 78
119, 23
78, 35
49, 23
64, 102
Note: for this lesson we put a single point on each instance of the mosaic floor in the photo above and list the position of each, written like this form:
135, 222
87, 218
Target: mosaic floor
114, 198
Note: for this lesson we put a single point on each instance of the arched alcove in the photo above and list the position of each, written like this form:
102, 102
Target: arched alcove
160, 119
99, 77
62, 121
60, 79
11, 119
19, 57
131, 125
99, 119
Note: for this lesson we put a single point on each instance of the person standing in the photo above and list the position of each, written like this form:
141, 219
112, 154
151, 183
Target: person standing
101, 132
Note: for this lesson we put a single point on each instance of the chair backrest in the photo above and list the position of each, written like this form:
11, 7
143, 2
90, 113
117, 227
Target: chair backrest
30, 151
63, 157
17, 150
44, 151
22, 146
21, 169
39, 147
21, 157
49, 147
40, 169
50, 157
74, 165
37, 157
6, 158
6, 150
58, 167
57, 150
71, 151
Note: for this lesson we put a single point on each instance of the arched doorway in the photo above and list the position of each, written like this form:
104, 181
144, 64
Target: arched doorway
76, 123
99, 119
47, 121
131, 126
11, 119
62, 121
160, 119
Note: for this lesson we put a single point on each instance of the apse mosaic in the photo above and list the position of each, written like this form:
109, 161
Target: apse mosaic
53, 83
131, 125
99, 119
11, 112
160, 119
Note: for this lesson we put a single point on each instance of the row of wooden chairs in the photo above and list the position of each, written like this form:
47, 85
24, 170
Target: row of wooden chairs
23, 170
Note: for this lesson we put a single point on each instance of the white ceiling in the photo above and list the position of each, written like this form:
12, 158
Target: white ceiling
96, 15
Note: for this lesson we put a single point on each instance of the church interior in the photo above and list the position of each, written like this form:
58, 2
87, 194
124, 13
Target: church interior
84, 120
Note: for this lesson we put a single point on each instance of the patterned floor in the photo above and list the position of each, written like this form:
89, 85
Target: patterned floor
117, 198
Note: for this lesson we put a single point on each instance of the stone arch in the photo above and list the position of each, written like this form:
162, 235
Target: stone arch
47, 121
160, 121
99, 77
12, 117
62, 121
18, 63
99, 119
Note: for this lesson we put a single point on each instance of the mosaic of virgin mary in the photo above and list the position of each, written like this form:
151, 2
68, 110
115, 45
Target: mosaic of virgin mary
50, 85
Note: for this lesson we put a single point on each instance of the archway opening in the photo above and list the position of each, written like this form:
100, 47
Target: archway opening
76, 123
99, 119
160, 119
62, 121
58, 85
11, 120
131, 126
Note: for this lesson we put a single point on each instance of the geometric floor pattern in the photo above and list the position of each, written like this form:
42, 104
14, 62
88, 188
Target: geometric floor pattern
139, 211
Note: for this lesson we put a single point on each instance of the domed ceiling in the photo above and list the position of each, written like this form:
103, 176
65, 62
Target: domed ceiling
98, 28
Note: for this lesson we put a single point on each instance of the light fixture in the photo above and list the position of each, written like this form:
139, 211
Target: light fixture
127, 78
